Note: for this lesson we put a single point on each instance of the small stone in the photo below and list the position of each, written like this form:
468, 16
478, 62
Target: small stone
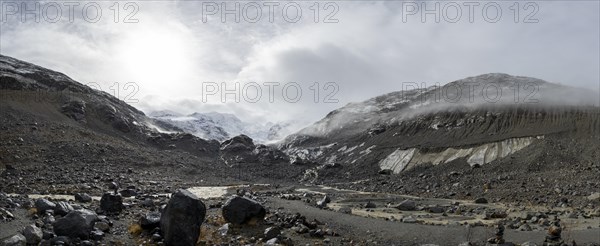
409, 219
224, 230
273, 241
63, 208
345, 210
33, 234
102, 226
524, 227
96, 235
370, 205
42, 205
83, 197
150, 220
128, 193
406, 205
15, 240
272, 232
594, 196
481, 200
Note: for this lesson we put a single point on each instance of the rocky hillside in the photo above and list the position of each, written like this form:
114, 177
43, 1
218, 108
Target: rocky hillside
423, 136
50, 122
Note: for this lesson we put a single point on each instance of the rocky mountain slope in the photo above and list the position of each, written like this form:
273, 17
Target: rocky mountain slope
432, 139
53, 123
219, 126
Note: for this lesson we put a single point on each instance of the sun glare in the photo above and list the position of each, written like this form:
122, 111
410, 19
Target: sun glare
151, 57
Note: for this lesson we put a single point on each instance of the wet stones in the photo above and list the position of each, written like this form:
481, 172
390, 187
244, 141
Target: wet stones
181, 219
240, 210
111, 203
76, 224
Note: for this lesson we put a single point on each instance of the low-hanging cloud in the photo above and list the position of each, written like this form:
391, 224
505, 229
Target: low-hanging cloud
170, 52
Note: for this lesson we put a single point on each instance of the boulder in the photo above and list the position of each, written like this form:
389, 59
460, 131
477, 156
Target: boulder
33, 234
76, 224
63, 208
481, 200
111, 203
42, 205
181, 219
16, 240
272, 232
406, 205
370, 204
240, 210
83, 197
128, 193
150, 220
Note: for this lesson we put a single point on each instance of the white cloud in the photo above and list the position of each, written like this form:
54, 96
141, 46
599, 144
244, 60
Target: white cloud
369, 52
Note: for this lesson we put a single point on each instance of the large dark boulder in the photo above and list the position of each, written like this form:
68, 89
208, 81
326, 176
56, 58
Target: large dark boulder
181, 219
111, 203
76, 224
240, 210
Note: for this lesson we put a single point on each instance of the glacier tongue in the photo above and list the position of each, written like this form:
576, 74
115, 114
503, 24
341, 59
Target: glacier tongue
401, 160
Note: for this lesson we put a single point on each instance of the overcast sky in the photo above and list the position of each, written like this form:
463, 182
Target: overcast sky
371, 50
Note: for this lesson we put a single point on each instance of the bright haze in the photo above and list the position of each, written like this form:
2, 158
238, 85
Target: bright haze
171, 49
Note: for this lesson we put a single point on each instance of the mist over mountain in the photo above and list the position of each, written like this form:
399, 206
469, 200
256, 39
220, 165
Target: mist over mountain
220, 126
